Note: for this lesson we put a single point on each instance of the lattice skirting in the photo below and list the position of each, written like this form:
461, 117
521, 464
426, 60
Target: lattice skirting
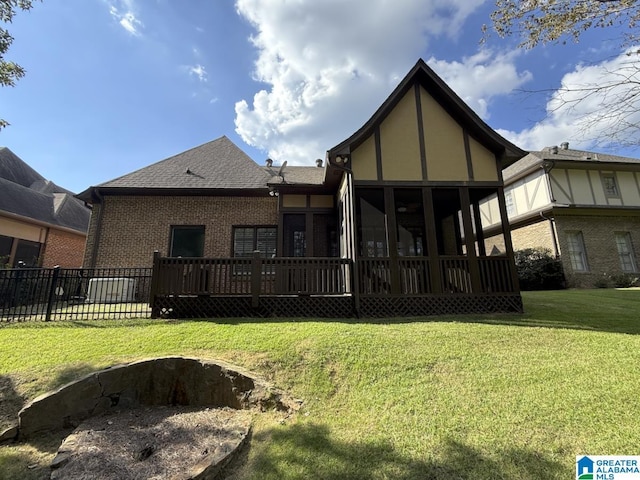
428, 305
240, 306
334, 307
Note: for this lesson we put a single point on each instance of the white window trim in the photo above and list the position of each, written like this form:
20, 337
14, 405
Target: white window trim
581, 251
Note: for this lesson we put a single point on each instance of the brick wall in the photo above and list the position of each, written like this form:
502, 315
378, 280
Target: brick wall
536, 235
599, 239
134, 226
63, 248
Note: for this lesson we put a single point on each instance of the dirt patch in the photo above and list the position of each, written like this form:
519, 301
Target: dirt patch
10, 402
153, 443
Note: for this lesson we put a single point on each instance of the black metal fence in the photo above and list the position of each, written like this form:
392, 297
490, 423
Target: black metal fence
45, 294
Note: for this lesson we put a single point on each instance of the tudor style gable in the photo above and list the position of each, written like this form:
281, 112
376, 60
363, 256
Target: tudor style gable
425, 133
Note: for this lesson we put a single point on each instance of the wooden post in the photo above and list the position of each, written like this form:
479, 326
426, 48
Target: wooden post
472, 257
153, 290
256, 278
508, 245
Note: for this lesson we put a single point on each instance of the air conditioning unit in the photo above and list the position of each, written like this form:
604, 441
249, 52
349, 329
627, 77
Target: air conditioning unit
111, 290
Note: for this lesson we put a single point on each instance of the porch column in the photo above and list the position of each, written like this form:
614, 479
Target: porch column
506, 234
432, 241
482, 250
472, 257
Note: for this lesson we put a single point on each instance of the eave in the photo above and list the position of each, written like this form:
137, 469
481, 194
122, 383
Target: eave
93, 194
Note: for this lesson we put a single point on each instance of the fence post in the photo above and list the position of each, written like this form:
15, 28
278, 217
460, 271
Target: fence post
256, 278
52, 292
153, 289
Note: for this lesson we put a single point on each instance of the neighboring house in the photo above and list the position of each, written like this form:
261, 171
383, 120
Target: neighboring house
41, 224
582, 206
399, 199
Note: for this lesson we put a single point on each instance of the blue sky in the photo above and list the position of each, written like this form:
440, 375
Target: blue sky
115, 85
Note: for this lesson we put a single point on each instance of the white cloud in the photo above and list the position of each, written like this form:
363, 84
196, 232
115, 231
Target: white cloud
123, 12
198, 71
595, 105
479, 78
329, 64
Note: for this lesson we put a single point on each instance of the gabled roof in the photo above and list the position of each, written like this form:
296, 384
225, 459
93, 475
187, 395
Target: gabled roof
218, 164
26, 193
421, 73
567, 157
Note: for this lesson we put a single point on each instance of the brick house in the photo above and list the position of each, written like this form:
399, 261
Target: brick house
398, 202
41, 224
584, 207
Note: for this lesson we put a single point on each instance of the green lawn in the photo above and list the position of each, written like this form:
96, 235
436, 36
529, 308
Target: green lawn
477, 397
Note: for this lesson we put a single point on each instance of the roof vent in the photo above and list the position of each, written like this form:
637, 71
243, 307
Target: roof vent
269, 162
553, 149
187, 171
564, 145
318, 162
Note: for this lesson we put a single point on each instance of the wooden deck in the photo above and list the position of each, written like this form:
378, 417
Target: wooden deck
330, 287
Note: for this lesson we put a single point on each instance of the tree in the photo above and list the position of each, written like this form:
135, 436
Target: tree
10, 72
611, 99
544, 21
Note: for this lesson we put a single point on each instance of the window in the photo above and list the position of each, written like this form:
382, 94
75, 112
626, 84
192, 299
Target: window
625, 252
187, 241
510, 202
577, 253
248, 239
610, 185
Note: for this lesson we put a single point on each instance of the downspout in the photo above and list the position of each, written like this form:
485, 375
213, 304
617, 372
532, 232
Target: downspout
554, 234
96, 240
547, 166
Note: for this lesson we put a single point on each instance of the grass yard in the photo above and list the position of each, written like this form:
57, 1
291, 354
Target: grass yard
469, 397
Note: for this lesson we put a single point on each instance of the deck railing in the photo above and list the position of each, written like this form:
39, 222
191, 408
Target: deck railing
196, 287
251, 276
414, 276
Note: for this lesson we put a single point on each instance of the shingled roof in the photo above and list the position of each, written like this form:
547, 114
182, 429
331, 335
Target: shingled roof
561, 155
218, 164
26, 193
296, 175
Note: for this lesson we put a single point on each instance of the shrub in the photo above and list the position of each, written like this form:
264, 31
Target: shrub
539, 270
624, 280
602, 282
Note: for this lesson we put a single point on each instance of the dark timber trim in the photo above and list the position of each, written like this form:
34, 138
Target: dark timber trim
378, 153
467, 152
423, 151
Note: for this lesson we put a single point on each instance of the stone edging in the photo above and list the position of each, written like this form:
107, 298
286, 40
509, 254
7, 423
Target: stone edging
159, 381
